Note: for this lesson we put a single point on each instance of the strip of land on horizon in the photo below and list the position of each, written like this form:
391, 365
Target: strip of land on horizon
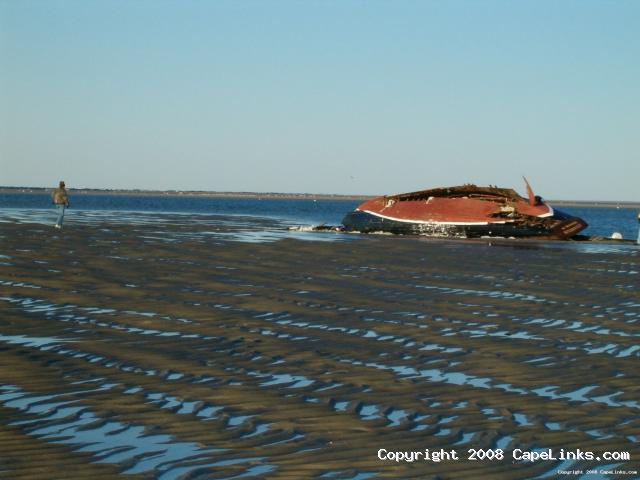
276, 195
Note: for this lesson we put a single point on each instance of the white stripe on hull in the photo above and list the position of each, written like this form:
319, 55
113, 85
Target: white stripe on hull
435, 222
429, 222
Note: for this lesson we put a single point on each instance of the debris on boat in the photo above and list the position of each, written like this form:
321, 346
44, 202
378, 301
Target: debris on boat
317, 228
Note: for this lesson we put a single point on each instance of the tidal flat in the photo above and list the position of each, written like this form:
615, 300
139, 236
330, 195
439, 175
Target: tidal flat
205, 348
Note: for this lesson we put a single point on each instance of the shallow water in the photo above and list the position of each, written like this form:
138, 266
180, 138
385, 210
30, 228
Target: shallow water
125, 350
287, 212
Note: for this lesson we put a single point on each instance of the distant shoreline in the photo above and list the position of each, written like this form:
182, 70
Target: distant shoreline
275, 196
187, 193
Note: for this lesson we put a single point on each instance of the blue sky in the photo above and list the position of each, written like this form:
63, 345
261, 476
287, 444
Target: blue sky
362, 97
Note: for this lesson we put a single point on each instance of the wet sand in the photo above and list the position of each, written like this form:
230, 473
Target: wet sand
162, 351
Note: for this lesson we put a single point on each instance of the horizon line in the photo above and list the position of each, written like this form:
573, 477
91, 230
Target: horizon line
228, 193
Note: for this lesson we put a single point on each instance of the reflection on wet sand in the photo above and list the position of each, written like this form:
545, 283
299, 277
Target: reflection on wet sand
191, 349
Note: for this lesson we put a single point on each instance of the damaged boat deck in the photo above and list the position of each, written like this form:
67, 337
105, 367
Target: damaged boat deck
161, 355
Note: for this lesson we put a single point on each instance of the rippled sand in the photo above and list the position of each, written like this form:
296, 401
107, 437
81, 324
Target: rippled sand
169, 349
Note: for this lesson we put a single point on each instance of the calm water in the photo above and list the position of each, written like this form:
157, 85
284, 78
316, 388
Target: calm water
602, 221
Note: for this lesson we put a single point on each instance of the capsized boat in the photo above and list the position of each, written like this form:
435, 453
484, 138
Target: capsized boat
464, 211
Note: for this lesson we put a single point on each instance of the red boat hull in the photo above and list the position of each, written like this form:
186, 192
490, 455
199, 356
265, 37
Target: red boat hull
465, 211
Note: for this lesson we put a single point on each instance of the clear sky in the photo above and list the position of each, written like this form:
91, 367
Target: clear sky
336, 96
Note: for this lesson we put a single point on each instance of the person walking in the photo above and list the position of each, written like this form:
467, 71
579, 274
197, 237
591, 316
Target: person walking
638, 241
61, 201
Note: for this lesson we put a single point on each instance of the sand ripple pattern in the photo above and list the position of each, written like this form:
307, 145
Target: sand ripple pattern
148, 350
